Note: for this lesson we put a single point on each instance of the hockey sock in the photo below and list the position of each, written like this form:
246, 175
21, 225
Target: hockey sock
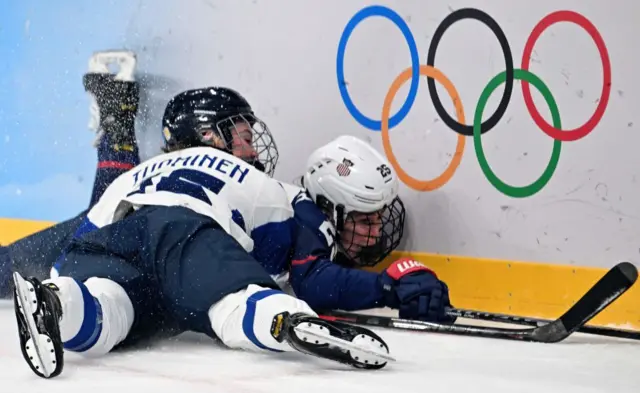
96, 314
113, 160
243, 319
81, 322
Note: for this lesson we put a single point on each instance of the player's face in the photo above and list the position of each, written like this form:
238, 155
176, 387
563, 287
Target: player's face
241, 145
361, 230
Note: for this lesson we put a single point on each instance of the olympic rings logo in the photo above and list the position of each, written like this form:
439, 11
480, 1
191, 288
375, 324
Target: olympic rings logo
477, 128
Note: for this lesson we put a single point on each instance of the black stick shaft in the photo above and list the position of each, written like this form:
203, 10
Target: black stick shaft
517, 320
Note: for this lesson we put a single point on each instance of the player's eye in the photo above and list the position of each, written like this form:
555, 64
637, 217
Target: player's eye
246, 136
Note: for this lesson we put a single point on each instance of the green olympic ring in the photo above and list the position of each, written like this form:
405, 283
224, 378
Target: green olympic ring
537, 185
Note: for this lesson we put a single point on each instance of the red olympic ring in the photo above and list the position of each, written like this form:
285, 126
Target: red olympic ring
586, 128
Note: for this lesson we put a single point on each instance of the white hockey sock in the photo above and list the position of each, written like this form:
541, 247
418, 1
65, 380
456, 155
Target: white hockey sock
243, 319
96, 314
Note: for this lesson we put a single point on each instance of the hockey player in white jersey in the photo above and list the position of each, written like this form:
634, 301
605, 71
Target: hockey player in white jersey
173, 245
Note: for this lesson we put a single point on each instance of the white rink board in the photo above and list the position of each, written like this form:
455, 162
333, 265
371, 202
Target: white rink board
282, 55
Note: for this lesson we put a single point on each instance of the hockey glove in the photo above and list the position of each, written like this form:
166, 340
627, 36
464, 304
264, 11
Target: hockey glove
415, 291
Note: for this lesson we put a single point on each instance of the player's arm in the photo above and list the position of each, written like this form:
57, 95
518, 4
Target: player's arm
406, 285
325, 285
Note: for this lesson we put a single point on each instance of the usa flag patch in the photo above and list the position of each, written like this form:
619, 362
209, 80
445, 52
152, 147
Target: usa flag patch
344, 167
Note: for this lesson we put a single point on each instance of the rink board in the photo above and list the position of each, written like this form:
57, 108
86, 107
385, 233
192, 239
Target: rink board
532, 289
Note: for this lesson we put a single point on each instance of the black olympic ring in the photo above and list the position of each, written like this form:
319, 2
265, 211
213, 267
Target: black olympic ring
487, 20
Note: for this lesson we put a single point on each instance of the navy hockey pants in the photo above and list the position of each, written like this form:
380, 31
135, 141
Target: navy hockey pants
173, 263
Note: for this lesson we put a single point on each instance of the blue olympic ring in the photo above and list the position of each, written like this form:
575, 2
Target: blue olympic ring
376, 10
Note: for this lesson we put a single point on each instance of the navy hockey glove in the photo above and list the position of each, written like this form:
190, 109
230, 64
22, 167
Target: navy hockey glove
415, 291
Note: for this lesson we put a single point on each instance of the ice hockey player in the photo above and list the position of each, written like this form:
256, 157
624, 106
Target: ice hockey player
177, 244
362, 218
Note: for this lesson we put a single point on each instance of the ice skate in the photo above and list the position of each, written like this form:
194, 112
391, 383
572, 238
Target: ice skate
115, 96
337, 341
126, 61
38, 312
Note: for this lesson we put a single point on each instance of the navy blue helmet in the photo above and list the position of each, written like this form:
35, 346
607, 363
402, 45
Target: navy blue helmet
222, 118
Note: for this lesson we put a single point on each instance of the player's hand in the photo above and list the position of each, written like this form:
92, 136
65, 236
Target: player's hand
415, 291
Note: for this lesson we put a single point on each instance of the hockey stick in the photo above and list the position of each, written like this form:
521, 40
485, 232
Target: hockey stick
611, 286
517, 320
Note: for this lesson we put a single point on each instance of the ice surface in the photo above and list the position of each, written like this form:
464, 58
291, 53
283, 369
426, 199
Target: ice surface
427, 363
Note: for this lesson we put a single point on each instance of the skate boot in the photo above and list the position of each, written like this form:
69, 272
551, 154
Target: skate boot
333, 340
115, 97
38, 312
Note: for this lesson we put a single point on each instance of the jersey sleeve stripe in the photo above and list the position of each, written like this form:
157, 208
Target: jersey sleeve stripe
310, 258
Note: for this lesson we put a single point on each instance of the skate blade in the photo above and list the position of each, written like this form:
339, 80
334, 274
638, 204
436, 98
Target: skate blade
126, 60
39, 347
347, 345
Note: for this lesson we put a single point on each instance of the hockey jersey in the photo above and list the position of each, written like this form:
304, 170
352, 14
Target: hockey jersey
277, 223
240, 198
312, 274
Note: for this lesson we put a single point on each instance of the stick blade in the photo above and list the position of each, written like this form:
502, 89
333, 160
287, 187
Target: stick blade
607, 290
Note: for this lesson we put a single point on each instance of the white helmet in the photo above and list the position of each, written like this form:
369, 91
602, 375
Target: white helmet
348, 175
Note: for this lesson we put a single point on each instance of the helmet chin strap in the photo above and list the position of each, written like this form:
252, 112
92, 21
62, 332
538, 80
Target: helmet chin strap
339, 217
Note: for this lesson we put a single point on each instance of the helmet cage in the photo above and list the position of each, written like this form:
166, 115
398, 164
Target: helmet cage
366, 239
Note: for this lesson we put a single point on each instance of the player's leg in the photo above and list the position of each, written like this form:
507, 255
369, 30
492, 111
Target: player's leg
214, 285
100, 300
85, 315
89, 317
116, 256
115, 98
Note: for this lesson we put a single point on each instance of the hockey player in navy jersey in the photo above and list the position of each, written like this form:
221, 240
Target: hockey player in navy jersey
178, 243
349, 196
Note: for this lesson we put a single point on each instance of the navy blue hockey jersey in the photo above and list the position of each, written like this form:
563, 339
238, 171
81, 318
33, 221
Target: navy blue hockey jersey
313, 276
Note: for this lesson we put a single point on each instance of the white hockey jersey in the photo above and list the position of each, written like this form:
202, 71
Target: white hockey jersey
277, 223
211, 182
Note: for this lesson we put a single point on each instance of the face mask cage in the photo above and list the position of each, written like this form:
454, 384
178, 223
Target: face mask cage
366, 239
246, 137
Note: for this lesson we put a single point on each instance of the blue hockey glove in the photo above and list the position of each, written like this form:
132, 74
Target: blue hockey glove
415, 291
